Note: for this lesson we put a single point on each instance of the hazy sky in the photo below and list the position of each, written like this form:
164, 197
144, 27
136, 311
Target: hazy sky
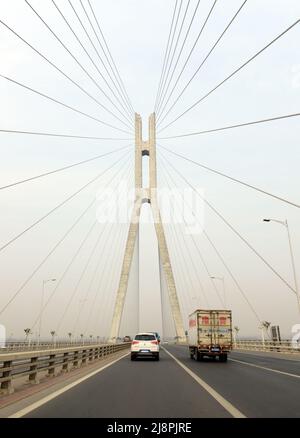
264, 155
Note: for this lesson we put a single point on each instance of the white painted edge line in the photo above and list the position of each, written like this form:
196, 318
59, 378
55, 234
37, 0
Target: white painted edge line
55, 394
265, 368
221, 400
271, 354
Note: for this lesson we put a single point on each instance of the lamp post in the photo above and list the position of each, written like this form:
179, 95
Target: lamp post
42, 307
223, 283
286, 225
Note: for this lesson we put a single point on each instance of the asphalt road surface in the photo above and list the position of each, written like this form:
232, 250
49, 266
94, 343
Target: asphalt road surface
247, 385
254, 390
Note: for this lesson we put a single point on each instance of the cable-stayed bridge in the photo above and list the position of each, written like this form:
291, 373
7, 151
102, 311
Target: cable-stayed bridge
144, 231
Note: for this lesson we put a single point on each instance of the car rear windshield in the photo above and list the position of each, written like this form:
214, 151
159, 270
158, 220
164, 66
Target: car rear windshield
145, 338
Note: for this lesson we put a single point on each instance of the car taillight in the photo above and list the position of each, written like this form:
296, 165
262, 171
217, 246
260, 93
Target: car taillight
154, 342
135, 342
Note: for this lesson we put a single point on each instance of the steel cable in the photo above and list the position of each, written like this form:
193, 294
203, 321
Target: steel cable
232, 74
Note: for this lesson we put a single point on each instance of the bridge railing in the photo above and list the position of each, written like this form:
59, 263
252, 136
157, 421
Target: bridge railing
14, 365
286, 346
29, 346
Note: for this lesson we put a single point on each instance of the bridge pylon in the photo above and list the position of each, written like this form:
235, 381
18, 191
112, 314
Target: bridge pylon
146, 195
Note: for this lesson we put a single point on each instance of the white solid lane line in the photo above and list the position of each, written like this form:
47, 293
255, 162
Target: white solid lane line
49, 397
221, 400
265, 368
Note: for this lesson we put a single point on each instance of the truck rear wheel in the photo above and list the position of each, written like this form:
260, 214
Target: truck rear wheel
223, 358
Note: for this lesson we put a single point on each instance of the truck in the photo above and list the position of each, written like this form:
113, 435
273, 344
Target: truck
210, 334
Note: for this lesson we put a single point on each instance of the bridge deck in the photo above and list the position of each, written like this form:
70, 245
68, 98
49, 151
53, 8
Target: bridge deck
254, 385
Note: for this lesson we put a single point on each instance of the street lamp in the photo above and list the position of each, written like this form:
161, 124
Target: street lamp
223, 283
42, 307
285, 223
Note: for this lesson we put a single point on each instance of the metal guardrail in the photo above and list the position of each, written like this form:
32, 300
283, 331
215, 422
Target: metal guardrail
278, 346
26, 346
18, 364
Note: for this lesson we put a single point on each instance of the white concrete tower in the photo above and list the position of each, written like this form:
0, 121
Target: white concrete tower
148, 195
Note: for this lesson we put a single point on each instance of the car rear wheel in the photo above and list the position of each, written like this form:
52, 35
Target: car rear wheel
223, 358
156, 357
133, 356
199, 356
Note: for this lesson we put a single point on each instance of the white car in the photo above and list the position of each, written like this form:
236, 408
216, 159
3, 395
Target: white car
145, 345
